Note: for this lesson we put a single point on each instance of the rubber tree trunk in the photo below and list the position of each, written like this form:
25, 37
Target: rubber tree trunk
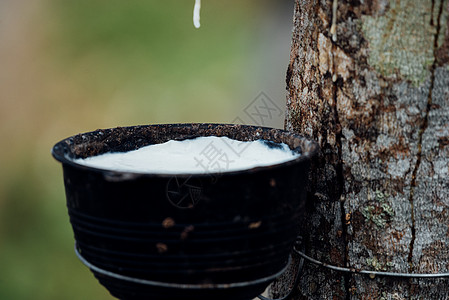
369, 80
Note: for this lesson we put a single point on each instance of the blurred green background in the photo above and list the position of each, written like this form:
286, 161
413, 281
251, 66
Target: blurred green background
73, 66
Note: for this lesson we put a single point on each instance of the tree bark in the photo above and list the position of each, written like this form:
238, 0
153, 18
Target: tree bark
369, 81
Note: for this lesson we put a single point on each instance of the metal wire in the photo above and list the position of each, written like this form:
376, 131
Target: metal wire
303, 256
371, 273
179, 285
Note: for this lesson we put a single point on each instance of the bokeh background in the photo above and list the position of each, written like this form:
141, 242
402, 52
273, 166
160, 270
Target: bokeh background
73, 66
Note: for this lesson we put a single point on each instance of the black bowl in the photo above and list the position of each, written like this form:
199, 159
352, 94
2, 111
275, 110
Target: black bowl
203, 236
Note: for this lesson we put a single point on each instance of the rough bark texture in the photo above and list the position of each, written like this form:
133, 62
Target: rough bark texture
373, 90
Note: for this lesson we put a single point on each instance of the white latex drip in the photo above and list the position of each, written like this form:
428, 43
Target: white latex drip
196, 14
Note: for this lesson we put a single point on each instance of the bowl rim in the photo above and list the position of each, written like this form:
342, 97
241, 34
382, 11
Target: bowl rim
60, 155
